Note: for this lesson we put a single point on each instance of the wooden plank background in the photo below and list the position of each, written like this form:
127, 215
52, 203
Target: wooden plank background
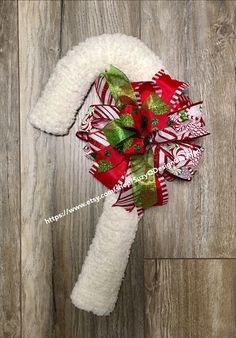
181, 277
10, 236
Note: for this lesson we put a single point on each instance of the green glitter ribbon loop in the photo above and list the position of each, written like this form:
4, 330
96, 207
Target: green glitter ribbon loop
120, 87
155, 103
116, 133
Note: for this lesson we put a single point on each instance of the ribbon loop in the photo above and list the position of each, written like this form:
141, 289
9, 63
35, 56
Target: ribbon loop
120, 87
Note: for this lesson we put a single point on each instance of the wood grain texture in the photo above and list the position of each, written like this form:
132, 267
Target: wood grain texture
10, 325
190, 298
39, 46
196, 40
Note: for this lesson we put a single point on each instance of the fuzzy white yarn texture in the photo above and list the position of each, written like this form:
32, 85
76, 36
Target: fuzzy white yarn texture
99, 281
64, 93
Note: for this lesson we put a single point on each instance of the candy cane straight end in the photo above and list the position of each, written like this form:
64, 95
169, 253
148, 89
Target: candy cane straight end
99, 281
85, 301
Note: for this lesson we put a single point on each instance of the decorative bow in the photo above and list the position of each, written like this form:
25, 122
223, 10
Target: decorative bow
137, 136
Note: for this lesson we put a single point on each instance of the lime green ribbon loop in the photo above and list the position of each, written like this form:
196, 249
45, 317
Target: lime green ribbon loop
155, 103
116, 133
120, 87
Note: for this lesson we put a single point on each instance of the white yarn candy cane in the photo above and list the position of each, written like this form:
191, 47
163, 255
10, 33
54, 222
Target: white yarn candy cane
100, 279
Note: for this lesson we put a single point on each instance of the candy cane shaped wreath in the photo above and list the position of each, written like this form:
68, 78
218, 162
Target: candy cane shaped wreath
138, 137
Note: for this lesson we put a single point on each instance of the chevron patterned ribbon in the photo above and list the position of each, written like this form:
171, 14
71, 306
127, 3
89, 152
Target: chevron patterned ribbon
139, 136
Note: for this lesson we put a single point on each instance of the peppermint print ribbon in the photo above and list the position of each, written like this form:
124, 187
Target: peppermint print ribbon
139, 136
